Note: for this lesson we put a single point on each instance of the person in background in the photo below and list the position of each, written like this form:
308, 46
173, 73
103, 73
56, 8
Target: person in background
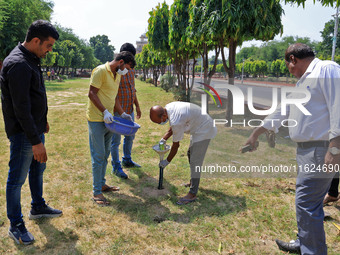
104, 84
186, 118
24, 107
127, 98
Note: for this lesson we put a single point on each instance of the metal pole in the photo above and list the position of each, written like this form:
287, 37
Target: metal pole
242, 71
335, 32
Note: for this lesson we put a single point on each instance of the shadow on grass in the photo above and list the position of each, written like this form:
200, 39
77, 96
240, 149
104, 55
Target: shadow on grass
150, 205
64, 241
58, 242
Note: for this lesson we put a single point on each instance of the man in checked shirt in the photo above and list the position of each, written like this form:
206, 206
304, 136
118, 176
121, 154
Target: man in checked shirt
127, 98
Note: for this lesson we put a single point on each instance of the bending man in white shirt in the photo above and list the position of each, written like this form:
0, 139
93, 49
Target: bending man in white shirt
186, 118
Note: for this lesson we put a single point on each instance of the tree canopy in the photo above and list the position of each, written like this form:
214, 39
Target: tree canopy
15, 18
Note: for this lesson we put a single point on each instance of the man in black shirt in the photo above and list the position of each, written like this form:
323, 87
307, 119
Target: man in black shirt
24, 107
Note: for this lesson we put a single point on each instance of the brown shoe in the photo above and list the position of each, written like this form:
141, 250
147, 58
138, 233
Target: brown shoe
107, 188
330, 199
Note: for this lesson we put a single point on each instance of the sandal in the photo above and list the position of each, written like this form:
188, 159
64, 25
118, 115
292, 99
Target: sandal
107, 188
184, 201
100, 201
330, 199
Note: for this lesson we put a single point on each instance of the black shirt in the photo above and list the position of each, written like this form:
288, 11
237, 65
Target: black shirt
23, 95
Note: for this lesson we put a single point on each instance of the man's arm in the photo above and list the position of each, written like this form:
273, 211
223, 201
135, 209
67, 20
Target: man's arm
173, 151
139, 113
95, 99
168, 134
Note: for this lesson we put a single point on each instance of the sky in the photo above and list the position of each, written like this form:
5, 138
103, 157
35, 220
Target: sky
125, 21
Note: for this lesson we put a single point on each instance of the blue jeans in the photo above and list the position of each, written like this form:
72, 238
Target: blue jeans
22, 162
100, 141
127, 146
311, 188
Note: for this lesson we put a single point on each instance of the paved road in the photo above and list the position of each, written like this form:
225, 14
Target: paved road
262, 94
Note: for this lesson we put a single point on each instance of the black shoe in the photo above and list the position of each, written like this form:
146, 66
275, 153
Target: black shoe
129, 163
44, 211
292, 246
20, 234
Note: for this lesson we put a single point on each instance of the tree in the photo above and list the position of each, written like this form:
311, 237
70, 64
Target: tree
201, 13
102, 50
50, 59
83, 54
276, 67
15, 18
284, 69
89, 60
239, 21
158, 37
323, 2
327, 34
180, 47
68, 50
142, 61
158, 28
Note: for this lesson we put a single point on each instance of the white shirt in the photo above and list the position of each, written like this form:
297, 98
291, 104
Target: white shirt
187, 118
322, 79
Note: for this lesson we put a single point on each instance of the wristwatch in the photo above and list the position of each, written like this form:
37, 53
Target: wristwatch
334, 151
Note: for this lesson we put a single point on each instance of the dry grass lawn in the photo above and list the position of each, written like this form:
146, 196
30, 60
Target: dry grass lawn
232, 216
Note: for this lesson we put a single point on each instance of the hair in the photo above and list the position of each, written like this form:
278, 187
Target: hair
41, 29
128, 47
299, 50
127, 57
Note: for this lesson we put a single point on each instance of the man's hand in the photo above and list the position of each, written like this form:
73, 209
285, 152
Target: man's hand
39, 153
126, 116
162, 140
139, 113
331, 159
108, 118
164, 163
253, 137
252, 142
47, 128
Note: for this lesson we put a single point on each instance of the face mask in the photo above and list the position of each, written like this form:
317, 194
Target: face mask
125, 71
164, 122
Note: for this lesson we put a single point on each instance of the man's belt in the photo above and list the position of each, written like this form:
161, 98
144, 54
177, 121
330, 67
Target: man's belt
306, 145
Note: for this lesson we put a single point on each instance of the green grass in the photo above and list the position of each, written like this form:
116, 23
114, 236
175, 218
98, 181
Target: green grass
245, 215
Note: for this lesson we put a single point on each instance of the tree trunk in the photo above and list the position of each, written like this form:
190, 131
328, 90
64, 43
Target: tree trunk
231, 75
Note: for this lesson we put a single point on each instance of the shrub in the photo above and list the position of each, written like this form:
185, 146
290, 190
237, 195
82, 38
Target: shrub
178, 93
167, 82
149, 80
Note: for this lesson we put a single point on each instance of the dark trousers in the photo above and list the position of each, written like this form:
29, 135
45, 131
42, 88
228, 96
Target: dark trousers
22, 163
196, 154
334, 189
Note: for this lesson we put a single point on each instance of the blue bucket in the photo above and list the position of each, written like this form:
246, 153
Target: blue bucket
122, 126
